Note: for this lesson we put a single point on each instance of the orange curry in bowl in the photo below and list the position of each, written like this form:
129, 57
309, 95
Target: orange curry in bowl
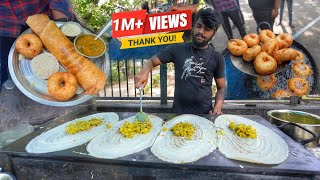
88, 46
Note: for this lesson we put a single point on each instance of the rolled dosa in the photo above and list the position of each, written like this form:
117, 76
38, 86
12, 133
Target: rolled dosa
89, 76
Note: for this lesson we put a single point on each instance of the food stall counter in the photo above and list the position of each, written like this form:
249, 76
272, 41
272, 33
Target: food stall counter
76, 162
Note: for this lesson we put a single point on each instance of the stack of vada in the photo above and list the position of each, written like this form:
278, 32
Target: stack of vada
267, 51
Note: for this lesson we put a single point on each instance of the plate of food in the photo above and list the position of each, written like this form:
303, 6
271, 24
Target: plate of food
47, 67
264, 53
248, 68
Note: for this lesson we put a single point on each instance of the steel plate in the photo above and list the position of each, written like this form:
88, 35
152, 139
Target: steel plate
247, 67
6, 176
36, 88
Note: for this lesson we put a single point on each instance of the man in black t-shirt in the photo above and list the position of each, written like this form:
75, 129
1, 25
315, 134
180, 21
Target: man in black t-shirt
265, 11
196, 64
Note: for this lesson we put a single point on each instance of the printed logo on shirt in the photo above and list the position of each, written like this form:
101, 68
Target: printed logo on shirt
192, 68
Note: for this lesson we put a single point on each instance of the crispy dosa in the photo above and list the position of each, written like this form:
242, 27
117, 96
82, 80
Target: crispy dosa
89, 76
112, 144
179, 150
267, 148
57, 139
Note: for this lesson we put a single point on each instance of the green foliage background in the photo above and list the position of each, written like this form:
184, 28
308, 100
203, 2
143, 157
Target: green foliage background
96, 16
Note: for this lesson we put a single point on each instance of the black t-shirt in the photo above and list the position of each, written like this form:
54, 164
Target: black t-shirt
261, 4
194, 71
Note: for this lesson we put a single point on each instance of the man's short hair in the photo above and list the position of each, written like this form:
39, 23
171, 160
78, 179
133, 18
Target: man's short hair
145, 5
210, 18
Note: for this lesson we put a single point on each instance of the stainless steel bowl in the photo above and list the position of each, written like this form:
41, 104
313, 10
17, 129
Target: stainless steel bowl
85, 55
305, 133
71, 37
6, 176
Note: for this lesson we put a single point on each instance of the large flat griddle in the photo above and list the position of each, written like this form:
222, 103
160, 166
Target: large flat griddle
299, 162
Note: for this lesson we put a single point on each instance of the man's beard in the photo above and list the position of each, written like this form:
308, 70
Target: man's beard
202, 43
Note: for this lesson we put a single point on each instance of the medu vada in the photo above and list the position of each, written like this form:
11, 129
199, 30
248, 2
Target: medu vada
265, 64
62, 86
237, 47
284, 40
251, 39
251, 53
29, 45
266, 82
266, 35
285, 54
280, 93
300, 56
298, 86
270, 47
301, 69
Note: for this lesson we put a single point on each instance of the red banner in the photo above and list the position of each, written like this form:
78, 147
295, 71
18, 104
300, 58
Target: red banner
138, 22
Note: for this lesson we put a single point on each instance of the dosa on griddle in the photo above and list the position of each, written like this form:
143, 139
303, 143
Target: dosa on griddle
112, 144
178, 149
57, 139
89, 76
267, 148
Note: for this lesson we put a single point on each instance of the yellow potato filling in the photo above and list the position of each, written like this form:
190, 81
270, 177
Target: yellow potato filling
220, 132
243, 130
83, 125
108, 126
183, 129
128, 129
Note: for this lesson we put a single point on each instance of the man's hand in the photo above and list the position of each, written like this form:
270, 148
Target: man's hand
141, 79
216, 111
275, 13
58, 15
175, 8
275, 10
219, 99
178, 7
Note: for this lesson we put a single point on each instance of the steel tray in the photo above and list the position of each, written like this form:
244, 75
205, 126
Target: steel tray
36, 88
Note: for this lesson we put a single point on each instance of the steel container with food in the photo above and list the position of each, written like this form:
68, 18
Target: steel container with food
88, 46
301, 126
71, 29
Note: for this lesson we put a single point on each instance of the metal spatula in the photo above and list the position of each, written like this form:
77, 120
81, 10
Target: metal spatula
141, 116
